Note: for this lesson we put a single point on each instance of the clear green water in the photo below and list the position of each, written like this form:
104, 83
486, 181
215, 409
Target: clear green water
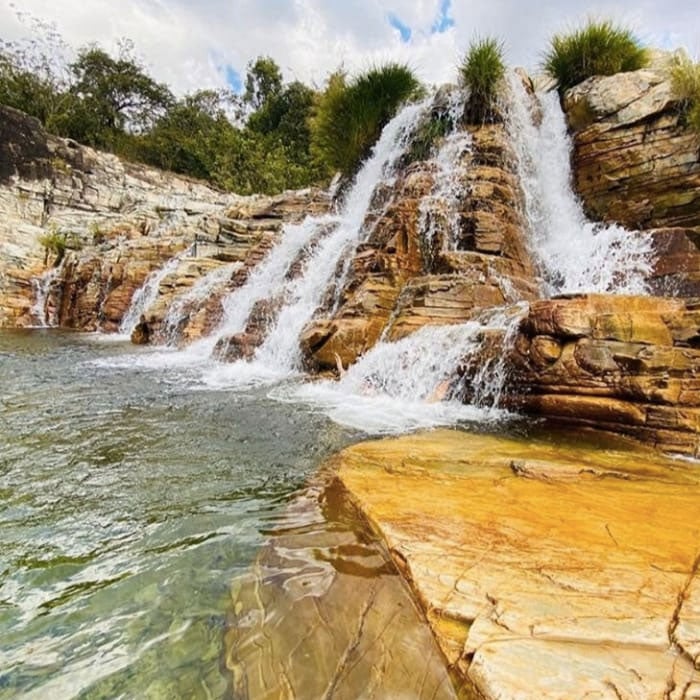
128, 504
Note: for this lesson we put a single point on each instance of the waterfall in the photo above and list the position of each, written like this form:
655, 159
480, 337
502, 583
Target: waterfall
42, 287
190, 301
148, 293
420, 380
440, 209
576, 255
333, 238
267, 280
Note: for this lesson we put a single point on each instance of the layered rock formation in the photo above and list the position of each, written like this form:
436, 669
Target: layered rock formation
626, 364
546, 571
433, 257
636, 164
118, 223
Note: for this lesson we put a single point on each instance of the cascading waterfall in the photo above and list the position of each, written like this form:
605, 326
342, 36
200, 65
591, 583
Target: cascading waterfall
415, 382
575, 254
440, 209
281, 348
189, 302
279, 355
148, 293
268, 279
42, 286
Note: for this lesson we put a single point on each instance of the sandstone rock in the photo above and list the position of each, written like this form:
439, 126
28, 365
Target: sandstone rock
402, 279
634, 162
324, 614
141, 335
626, 364
124, 221
573, 574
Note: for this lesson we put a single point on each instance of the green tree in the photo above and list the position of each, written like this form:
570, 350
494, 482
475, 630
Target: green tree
116, 93
263, 81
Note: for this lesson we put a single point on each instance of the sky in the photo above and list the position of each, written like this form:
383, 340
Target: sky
193, 44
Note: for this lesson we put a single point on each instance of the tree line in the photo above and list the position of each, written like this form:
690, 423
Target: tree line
274, 135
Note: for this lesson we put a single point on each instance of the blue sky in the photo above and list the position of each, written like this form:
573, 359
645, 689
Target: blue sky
194, 44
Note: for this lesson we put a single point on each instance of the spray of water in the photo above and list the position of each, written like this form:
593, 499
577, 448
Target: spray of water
439, 211
575, 254
42, 313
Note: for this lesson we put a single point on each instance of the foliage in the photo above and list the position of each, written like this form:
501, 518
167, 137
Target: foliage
482, 71
263, 81
116, 95
349, 116
598, 48
55, 242
685, 83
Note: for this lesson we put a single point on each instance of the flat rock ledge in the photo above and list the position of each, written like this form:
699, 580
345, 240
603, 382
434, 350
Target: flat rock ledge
546, 569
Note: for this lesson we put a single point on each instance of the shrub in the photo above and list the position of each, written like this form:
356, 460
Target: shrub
598, 48
685, 83
349, 116
481, 71
54, 242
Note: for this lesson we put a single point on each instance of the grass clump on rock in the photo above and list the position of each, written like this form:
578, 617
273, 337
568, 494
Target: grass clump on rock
685, 83
481, 72
598, 48
350, 115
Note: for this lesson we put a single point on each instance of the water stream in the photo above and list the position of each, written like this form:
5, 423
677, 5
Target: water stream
136, 485
575, 254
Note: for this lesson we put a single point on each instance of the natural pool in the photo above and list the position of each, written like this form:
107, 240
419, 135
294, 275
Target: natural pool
128, 504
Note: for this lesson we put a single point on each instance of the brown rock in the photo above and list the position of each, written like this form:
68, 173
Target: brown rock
545, 571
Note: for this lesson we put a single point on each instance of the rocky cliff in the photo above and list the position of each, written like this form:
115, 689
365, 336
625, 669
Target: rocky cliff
91, 228
636, 164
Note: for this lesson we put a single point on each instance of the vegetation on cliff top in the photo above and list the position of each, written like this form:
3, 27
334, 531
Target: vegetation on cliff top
350, 115
597, 48
685, 82
481, 71
274, 136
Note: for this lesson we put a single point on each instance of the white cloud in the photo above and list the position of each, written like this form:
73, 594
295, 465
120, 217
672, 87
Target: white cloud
189, 44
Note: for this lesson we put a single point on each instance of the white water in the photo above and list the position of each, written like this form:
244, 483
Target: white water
40, 311
279, 355
412, 383
575, 254
267, 280
440, 209
190, 302
148, 293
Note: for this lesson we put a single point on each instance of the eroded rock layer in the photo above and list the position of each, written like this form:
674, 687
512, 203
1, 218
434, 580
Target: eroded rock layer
626, 364
116, 222
546, 570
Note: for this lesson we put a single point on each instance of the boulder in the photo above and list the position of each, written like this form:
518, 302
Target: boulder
634, 161
624, 364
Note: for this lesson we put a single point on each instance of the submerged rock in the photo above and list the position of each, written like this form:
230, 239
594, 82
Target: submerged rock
547, 569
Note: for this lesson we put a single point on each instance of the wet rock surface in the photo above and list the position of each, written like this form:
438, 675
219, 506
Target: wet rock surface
432, 259
554, 568
325, 614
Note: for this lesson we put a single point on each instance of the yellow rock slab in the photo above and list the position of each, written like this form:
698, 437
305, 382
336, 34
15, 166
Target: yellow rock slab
546, 570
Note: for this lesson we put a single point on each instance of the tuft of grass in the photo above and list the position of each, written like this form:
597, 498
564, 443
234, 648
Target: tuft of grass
350, 115
54, 242
597, 48
685, 83
481, 72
